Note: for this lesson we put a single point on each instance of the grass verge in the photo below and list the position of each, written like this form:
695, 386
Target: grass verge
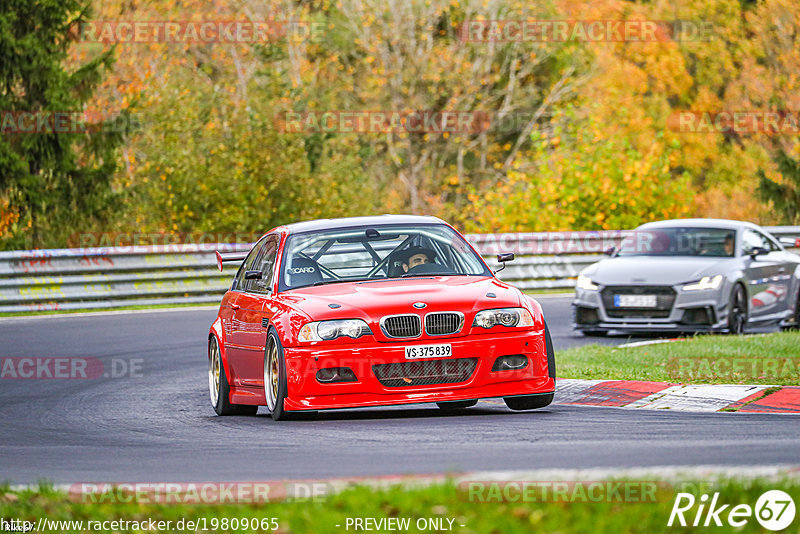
458, 508
772, 359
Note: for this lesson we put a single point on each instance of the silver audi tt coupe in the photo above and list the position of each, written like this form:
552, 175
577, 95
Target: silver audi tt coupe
690, 275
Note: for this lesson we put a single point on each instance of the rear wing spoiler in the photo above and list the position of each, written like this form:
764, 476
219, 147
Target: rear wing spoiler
230, 257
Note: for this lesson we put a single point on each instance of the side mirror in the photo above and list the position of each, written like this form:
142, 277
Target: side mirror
503, 258
253, 275
610, 251
757, 251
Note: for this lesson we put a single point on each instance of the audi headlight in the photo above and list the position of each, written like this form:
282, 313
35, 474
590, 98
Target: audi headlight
707, 282
327, 330
584, 282
503, 317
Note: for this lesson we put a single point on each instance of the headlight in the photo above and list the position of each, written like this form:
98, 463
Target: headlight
327, 330
503, 317
584, 282
707, 282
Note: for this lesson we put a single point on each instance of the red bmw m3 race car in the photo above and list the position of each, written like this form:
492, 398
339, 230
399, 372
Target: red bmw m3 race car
373, 311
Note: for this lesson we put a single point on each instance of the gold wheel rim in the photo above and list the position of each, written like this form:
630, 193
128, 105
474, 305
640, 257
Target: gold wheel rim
274, 370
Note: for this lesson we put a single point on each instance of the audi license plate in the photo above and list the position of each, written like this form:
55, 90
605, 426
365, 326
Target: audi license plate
635, 301
417, 352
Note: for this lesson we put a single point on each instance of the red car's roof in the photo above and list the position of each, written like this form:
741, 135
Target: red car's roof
349, 222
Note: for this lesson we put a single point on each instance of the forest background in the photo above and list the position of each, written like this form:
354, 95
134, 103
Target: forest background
195, 139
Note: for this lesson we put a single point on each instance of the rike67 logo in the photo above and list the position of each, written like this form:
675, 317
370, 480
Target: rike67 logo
774, 511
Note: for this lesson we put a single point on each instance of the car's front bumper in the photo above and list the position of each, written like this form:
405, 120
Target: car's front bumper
689, 311
305, 392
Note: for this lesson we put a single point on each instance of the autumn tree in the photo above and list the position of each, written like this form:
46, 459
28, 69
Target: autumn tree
52, 183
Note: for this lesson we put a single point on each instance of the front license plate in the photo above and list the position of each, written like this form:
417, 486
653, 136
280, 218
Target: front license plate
417, 352
635, 301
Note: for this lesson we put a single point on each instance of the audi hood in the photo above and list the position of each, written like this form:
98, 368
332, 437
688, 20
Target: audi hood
656, 270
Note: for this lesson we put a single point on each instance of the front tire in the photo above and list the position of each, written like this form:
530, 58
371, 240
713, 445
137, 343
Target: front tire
737, 310
529, 402
594, 333
795, 324
456, 406
219, 387
275, 377
532, 402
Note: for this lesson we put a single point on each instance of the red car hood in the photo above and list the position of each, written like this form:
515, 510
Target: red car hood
374, 299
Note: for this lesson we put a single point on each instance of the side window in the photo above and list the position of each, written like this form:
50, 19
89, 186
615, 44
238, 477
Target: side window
239, 283
752, 239
265, 262
769, 244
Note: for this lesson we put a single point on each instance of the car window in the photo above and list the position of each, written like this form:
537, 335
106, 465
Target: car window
239, 283
752, 239
770, 243
371, 253
680, 241
264, 262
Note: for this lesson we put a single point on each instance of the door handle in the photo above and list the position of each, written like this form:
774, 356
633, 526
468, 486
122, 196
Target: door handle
235, 306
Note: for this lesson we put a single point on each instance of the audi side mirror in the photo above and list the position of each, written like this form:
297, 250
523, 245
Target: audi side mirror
610, 251
757, 251
253, 275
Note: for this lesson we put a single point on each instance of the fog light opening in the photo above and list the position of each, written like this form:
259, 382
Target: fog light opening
586, 315
698, 316
512, 362
330, 375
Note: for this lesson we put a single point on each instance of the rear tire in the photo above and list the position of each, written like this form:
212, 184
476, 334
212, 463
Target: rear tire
737, 310
529, 402
456, 406
219, 387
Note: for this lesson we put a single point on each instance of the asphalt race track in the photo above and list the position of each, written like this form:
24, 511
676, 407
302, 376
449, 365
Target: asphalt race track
158, 425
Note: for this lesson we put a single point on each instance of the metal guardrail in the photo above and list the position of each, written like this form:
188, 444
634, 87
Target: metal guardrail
110, 277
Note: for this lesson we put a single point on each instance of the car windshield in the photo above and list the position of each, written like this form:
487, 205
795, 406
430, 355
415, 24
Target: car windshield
375, 253
713, 242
